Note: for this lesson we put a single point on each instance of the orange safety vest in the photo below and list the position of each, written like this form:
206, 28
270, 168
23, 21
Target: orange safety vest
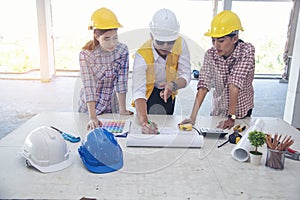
171, 65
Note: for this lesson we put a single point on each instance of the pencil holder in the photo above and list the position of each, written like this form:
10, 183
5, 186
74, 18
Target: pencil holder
275, 159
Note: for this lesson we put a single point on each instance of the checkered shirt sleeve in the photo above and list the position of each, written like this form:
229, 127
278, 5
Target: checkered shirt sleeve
103, 74
218, 73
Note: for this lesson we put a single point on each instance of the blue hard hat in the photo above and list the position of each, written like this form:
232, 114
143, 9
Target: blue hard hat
100, 152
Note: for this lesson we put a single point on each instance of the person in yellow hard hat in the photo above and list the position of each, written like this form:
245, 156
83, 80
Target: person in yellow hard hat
103, 68
161, 67
228, 70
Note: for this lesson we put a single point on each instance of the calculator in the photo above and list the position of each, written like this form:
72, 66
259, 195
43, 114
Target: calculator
213, 132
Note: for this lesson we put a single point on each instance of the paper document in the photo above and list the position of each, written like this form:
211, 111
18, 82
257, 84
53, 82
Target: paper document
241, 150
168, 137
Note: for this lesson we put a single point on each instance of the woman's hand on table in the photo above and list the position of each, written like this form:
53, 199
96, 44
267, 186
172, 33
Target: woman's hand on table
93, 123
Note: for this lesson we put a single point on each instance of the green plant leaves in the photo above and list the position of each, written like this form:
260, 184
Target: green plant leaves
257, 138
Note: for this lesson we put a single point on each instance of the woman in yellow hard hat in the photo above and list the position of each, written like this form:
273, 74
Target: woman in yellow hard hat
103, 67
228, 70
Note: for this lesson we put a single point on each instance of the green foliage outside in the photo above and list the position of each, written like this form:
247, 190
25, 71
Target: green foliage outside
269, 58
15, 56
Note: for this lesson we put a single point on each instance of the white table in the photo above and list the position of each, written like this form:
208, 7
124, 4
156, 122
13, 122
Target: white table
149, 173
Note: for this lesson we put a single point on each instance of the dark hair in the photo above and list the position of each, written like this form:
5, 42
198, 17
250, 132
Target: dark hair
233, 33
92, 44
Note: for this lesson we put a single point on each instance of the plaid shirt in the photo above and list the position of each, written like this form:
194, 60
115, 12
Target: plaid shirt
237, 69
103, 74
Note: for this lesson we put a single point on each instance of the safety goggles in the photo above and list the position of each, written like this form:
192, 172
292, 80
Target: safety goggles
163, 42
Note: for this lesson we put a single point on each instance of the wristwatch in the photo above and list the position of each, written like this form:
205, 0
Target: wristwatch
233, 117
174, 87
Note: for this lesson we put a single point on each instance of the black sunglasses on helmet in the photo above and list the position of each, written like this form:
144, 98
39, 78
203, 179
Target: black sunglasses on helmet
163, 42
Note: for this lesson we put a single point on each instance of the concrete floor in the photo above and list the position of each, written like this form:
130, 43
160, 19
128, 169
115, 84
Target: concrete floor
22, 99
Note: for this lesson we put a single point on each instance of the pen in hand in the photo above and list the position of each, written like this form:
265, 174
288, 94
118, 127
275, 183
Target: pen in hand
152, 125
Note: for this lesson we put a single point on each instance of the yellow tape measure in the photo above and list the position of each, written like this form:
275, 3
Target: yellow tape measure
186, 127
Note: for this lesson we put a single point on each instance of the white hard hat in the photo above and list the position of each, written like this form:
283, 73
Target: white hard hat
46, 150
164, 25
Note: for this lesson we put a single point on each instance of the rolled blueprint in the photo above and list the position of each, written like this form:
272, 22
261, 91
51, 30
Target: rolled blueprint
166, 139
241, 150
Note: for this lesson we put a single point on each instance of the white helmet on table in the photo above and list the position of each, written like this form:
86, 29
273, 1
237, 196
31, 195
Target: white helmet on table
164, 25
46, 150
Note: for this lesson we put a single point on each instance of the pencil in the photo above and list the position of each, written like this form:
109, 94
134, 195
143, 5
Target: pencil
149, 122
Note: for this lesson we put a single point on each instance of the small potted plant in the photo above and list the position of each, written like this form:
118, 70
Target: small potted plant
257, 139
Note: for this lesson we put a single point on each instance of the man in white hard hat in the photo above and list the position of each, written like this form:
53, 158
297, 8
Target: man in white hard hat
161, 67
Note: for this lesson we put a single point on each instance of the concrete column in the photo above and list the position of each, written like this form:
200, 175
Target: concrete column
292, 104
44, 19
227, 4
215, 7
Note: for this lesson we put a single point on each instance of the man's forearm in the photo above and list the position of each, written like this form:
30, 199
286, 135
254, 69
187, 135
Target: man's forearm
181, 83
198, 102
233, 99
141, 110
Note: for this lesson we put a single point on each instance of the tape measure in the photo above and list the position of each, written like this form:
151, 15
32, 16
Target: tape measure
186, 127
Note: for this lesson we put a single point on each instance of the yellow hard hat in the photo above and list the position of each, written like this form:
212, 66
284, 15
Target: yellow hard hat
223, 24
104, 18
